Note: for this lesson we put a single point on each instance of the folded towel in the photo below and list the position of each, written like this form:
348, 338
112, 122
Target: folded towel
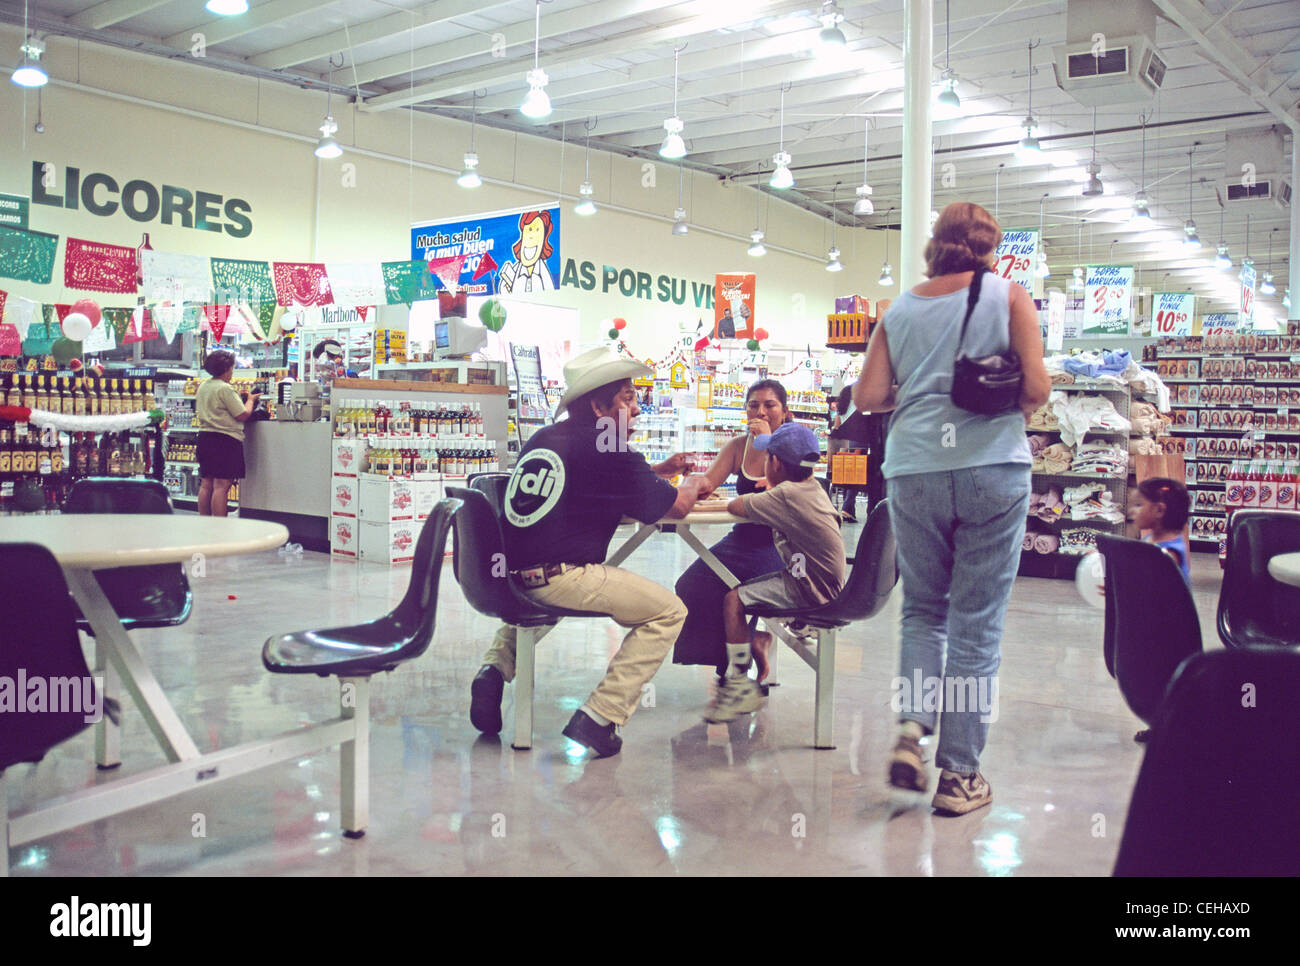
1029, 541
1046, 542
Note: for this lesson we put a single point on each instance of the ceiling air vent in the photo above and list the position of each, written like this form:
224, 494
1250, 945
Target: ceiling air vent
1112, 61
1258, 190
1125, 70
1154, 69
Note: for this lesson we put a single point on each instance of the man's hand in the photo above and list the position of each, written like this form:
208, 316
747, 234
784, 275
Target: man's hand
677, 463
687, 494
704, 485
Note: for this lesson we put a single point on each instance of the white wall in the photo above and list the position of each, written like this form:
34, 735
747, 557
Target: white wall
178, 123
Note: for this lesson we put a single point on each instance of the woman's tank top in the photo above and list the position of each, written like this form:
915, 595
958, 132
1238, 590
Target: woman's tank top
755, 532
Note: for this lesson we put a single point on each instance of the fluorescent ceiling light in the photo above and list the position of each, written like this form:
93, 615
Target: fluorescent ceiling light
226, 8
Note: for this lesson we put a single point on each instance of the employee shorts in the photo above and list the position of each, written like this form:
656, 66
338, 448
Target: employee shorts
221, 457
771, 590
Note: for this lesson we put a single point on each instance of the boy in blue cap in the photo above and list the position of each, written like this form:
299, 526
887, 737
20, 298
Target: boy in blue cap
806, 529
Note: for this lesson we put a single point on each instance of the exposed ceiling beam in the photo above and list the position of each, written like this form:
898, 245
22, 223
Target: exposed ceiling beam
224, 29
370, 31
106, 14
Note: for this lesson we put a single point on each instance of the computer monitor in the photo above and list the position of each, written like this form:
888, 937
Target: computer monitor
458, 337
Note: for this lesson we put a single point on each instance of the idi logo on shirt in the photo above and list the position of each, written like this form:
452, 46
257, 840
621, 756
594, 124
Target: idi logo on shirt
535, 488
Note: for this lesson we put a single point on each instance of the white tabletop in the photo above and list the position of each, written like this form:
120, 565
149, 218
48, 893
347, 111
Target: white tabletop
1286, 568
105, 540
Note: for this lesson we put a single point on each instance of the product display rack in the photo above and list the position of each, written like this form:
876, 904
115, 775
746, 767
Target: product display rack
1236, 397
1059, 564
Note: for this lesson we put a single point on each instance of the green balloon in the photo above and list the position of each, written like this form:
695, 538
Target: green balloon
752, 345
613, 333
492, 314
65, 350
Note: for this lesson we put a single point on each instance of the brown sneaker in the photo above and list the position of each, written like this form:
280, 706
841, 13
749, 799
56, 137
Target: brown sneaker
958, 794
907, 767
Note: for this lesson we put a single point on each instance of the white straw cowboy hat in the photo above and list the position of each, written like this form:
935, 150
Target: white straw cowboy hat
594, 369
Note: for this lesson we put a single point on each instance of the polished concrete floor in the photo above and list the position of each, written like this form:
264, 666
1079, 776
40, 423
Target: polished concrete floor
682, 798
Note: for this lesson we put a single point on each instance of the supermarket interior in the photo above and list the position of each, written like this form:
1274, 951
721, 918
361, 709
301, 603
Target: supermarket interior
298, 465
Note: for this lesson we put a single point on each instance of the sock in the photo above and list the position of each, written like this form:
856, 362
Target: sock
738, 658
912, 729
598, 718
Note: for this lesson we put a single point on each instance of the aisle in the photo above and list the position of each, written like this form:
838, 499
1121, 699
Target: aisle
682, 798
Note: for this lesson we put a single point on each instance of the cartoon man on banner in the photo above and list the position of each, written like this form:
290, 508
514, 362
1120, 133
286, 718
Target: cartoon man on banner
528, 272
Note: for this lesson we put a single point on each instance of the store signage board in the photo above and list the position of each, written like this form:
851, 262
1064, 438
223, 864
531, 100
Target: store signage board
1108, 300
1246, 304
1017, 255
1073, 317
506, 252
14, 210
1055, 320
735, 313
1218, 323
1172, 313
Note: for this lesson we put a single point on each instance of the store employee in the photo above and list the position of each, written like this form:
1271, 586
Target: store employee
573, 483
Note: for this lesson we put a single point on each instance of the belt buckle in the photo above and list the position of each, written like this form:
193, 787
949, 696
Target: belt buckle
534, 577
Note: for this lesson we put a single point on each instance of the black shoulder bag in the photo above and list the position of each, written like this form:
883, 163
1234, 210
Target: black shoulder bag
989, 385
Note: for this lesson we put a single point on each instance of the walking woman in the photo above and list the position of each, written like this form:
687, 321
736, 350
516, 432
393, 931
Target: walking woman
958, 487
747, 551
220, 416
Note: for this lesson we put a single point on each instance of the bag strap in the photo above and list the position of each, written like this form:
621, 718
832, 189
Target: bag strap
976, 283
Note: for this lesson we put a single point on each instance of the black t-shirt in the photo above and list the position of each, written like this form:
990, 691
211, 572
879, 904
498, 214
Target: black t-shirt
566, 497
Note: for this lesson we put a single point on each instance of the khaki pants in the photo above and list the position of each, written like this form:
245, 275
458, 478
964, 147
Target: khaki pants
654, 614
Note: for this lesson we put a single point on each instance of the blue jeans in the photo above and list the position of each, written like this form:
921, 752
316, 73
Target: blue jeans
959, 536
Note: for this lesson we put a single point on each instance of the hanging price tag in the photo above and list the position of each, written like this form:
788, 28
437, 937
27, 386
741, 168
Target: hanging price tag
1172, 313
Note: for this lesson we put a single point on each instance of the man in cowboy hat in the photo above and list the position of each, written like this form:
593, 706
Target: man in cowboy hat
573, 483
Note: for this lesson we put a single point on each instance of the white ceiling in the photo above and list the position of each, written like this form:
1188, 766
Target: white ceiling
1233, 65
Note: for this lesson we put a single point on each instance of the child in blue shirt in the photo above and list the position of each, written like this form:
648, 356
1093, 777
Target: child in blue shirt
1161, 507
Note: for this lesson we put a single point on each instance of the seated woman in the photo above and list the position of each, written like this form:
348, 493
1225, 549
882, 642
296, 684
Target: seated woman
747, 551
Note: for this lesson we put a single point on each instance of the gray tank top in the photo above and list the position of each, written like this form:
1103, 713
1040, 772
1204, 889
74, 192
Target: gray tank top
927, 433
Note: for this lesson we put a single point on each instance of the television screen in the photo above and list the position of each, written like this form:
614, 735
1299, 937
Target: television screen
441, 336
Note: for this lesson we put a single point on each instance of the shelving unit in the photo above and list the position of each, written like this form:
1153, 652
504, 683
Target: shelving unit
1059, 564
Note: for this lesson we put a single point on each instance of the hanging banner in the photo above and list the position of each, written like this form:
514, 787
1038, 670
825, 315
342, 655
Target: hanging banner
101, 339
522, 246
1218, 323
1172, 313
97, 267
141, 327
1073, 317
163, 272
733, 306
408, 282
215, 316
1055, 320
301, 283
1108, 300
11, 344
235, 280
27, 255
1246, 304
1017, 255
356, 283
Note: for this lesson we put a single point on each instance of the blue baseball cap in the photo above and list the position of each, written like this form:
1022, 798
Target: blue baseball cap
793, 444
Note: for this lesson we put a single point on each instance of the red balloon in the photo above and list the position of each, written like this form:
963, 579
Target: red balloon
760, 334
89, 308
620, 324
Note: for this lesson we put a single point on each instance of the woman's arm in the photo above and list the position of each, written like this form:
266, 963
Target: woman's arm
1027, 343
874, 390
720, 469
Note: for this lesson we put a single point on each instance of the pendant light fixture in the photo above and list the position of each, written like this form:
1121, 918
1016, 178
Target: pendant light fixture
537, 103
1029, 150
226, 8
1222, 261
1267, 287
864, 205
1191, 240
327, 147
469, 178
1041, 270
30, 73
1141, 205
946, 92
585, 205
831, 35
674, 148
1246, 261
1076, 281
680, 227
886, 270
1093, 187
781, 176
756, 246
833, 255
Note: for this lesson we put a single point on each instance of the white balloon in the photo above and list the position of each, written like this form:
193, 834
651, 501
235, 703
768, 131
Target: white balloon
1089, 577
289, 321
76, 326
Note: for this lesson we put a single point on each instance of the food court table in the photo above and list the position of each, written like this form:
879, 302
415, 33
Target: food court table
1285, 567
84, 543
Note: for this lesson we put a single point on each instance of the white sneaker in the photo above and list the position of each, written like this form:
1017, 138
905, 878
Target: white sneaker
736, 696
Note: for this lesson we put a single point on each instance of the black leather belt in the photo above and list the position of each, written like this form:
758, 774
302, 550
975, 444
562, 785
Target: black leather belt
541, 575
